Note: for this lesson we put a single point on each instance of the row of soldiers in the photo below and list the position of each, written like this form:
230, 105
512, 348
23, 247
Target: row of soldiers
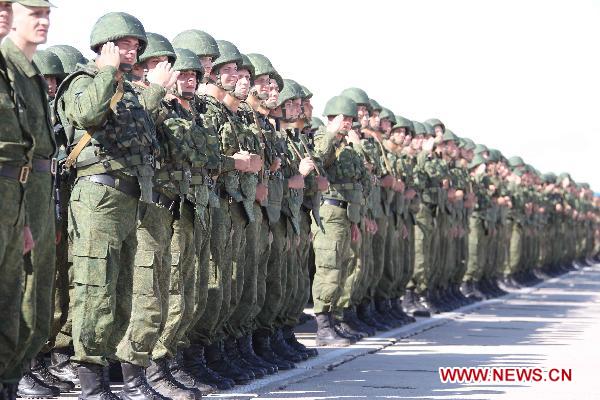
196, 201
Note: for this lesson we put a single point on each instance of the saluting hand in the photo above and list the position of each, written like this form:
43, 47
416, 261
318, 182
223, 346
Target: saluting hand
109, 56
163, 75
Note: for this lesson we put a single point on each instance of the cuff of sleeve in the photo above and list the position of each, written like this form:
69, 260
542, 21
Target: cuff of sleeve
227, 164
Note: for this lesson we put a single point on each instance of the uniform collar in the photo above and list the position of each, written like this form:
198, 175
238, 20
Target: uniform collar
16, 57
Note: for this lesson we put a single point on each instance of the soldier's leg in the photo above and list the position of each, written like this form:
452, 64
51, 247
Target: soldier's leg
379, 254
353, 273
423, 239
12, 218
262, 258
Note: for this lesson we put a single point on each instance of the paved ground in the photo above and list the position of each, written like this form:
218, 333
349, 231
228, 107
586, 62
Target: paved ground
555, 325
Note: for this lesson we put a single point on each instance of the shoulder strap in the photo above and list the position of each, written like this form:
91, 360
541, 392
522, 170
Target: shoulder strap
87, 136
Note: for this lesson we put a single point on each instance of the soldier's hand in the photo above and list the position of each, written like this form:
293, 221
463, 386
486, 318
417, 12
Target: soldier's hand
388, 181
296, 182
335, 124
262, 193
109, 56
256, 163
163, 75
275, 165
428, 144
459, 195
322, 184
306, 166
242, 161
398, 186
355, 233
353, 137
28, 243
410, 194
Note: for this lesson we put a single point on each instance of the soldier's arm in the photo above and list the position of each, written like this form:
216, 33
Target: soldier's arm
325, 147
152, 97
87, 100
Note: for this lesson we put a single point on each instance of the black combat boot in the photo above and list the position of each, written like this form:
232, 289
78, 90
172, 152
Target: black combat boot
345, 327
470, 290
135, 385
326, 335
290, 338
397, 310
40, 370
351, 317
248, 354
411, 304
429, 301
235, 357
365, 314
464, 301
159, 377
8, 391
94, 385
30, 386
194, 363
187, 379
62, 367
285, 351
384, 308
261, 341
217, 360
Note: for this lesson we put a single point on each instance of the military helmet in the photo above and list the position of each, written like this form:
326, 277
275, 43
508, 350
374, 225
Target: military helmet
419, 128
228, 53
158, 46
315, 123
515, 161
494, 155
291, 90
48, 63
386, 113
306, 94
357, 95
186, 60
247, 64
375, 105
549, 177
402, 122
480, 148
434, 122
428, 128
117, 25
467, 144
341, 105
449, 136
279, 80
201, 43
261, 64
69, 57
476, 162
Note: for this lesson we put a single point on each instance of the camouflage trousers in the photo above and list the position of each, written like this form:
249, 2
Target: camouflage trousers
424, 249
102, 223
12, 217
261, 254
39, 266
378, 248
391, 259
219, 276
333, 255
276, 275
476, 260
240, 320
190, 252
357, 268
406, 257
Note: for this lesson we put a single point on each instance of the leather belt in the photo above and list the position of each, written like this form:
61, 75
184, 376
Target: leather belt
164, 201
41, 165
337, 203
20, 174
130, 188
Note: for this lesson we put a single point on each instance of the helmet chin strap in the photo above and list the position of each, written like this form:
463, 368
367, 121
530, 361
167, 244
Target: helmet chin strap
124, 67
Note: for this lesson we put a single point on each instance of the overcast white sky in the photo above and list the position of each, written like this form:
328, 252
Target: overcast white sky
520, 76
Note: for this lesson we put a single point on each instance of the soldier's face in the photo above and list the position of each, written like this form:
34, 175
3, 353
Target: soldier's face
31, 24
374, 120
438, 130
128, 50
397, 136
52, 85
6, 18
417, 143
307, 108
273, 94
261, 86
186, 84
363, 116
152, 62
138, 71
229, 75
386, 125
207, 63
290, 112
242, 87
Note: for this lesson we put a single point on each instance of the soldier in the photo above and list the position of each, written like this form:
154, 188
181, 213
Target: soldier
31, 23
340, 213
16, 150
113, 155
204, 46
